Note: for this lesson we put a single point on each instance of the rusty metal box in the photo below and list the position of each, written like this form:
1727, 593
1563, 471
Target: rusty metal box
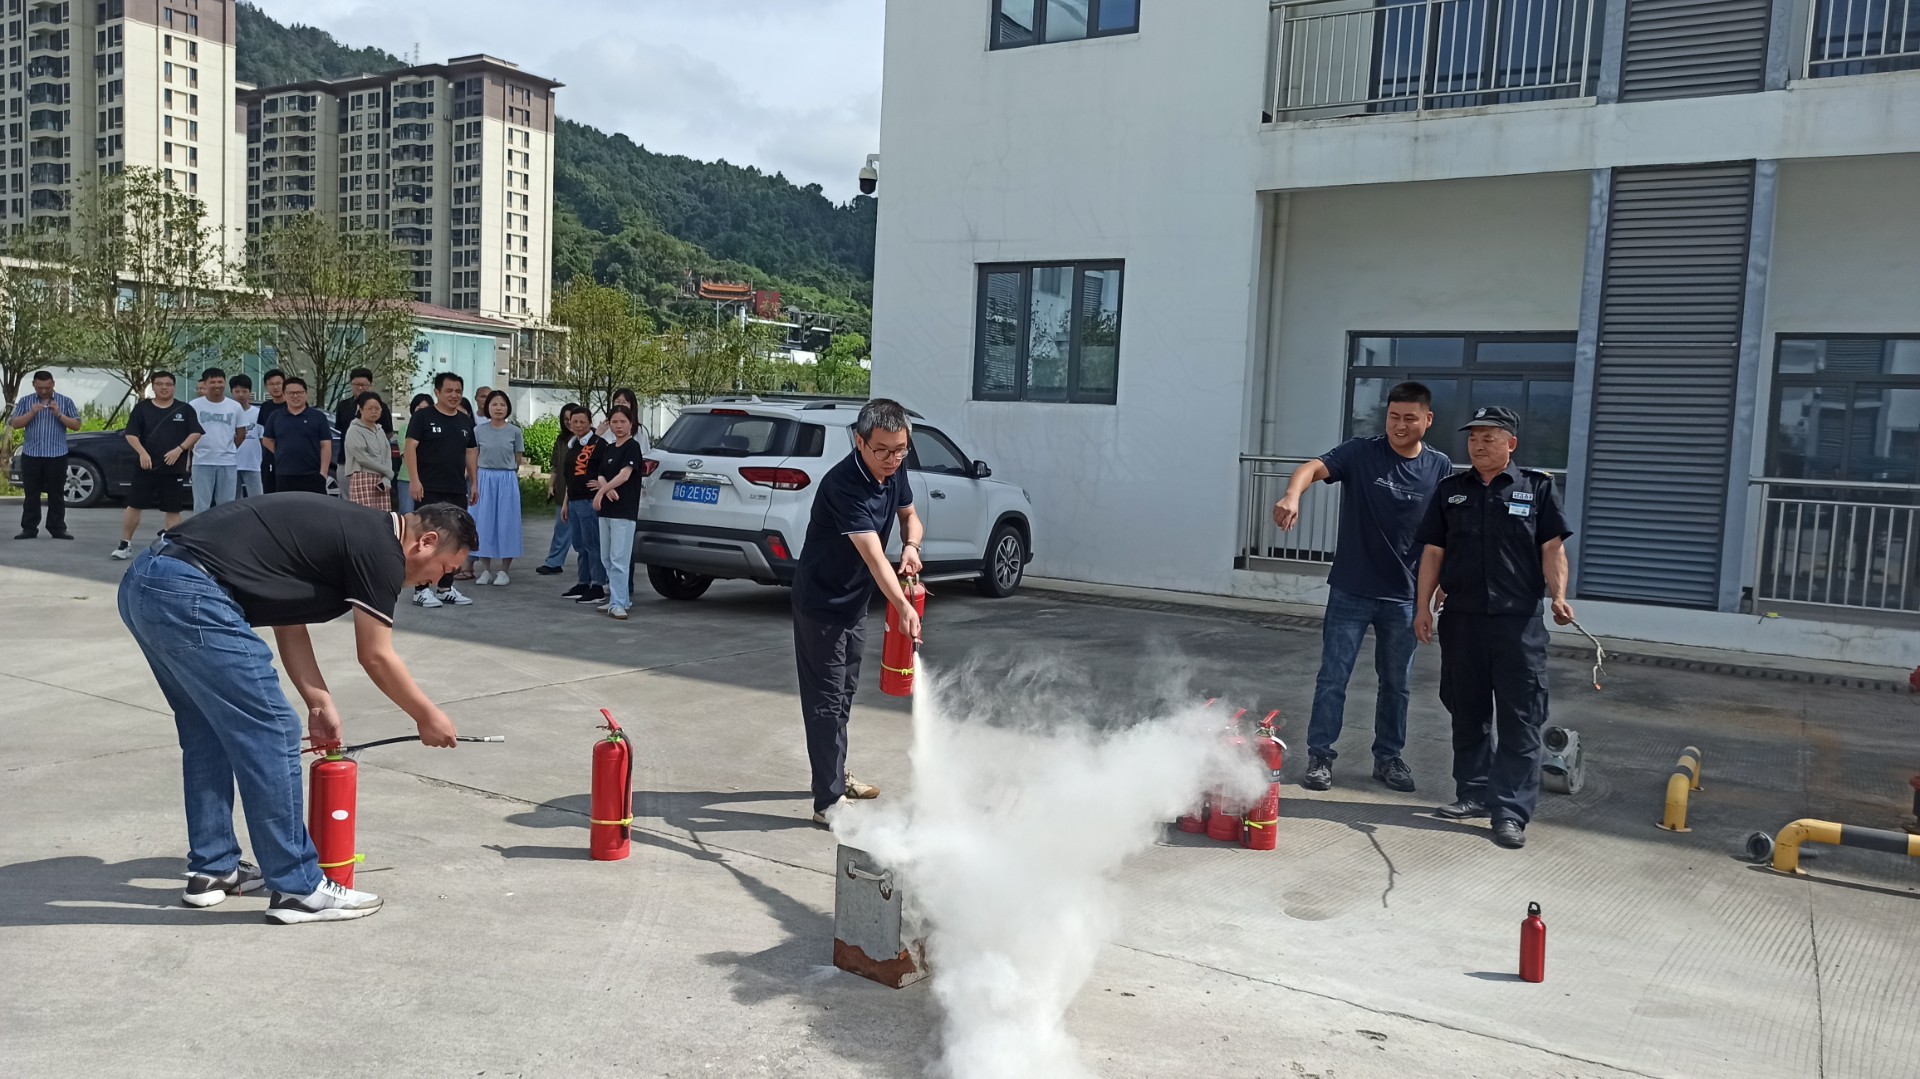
874, 933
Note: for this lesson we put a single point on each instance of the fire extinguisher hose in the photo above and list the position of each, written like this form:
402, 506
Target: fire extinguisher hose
346, 750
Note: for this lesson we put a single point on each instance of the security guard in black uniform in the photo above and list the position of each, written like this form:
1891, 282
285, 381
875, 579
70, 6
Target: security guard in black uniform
1494, 542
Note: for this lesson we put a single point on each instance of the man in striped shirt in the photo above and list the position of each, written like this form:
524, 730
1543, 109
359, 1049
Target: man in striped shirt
46, 417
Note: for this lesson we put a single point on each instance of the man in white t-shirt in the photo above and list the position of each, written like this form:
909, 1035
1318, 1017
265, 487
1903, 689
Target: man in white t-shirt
246, 459
216, 455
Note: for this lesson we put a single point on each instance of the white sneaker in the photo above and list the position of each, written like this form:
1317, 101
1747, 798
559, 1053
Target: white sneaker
483, 578
122, 552
500, 579
331, 903
453, 596
206, 890
425, 598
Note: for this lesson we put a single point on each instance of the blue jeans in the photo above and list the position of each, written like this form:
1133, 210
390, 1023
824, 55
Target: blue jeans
585, 526
213, 485
616, 553
1347, 619
406, 497
248, 482
235, 724
562, 537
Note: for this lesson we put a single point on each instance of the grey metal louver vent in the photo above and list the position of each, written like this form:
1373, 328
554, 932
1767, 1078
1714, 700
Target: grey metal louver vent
1670, 310
1694, 48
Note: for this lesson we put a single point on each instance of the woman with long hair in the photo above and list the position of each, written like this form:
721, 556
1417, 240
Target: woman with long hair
556, 560
616, 501
420, 401
624, 398
368, 466
503, 449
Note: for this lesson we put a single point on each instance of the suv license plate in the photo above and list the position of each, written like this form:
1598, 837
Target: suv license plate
696, 492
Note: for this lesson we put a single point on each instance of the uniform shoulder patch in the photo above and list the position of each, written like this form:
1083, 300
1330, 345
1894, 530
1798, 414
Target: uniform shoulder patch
1456, 500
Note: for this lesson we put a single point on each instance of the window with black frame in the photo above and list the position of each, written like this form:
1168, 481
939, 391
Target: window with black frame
1846, 408
1048, 332
1531, 373
1019, 23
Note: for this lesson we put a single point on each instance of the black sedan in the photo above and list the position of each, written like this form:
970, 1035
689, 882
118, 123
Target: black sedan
100, 465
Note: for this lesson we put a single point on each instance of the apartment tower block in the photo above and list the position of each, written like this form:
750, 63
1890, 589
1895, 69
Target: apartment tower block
92, 87
454, 161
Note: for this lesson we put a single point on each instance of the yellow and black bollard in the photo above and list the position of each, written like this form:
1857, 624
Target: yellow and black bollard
1685, 778
1784, 849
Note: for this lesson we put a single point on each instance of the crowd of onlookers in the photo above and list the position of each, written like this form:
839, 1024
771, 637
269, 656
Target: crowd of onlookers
223, 445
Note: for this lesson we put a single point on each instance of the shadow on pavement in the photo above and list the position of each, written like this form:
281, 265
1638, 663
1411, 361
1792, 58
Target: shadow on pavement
87, 891
695, 811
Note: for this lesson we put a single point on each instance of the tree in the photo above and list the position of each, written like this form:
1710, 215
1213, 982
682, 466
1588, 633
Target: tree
837, 371
151, 281
609, 345
729, 357
36, 318
334, 301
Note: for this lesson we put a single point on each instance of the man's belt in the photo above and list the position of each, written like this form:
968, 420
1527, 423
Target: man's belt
165, 548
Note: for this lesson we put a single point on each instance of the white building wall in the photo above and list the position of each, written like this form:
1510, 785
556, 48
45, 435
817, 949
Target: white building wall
1133, 148
1502, 254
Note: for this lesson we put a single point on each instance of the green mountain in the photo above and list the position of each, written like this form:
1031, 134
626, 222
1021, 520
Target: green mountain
644, 221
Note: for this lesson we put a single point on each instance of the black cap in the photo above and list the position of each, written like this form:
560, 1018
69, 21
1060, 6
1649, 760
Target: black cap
1494, 416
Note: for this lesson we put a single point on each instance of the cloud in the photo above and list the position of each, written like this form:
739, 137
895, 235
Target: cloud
788, 86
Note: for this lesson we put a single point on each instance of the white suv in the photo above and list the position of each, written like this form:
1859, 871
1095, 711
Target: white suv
729, 491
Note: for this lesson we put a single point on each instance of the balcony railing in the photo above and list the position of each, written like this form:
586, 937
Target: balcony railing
1262, 481
1346, 57
1835, 544
1861, 37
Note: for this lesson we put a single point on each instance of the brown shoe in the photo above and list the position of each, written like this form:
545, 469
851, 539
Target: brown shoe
857, 789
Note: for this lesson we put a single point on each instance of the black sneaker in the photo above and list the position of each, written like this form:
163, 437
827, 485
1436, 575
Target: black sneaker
61, 535
1509, 833
24, 534
575, 592
1394, 773
595, 594
545, 570
332, 903
206, 890
1462, 809
1319, 775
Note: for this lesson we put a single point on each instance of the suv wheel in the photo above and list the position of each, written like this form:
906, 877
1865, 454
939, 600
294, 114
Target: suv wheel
676, 584
86, 485
1006, 563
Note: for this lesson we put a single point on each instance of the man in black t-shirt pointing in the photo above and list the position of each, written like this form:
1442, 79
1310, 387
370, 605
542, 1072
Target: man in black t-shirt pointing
192, 601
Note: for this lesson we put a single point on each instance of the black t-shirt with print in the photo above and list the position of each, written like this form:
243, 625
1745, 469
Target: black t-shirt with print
292, 559
578, 466
442, 452
607, 463
162, 430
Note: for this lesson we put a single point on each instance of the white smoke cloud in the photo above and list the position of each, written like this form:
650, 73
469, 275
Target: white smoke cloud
1008, 845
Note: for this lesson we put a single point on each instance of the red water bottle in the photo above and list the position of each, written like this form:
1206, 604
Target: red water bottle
1533, 946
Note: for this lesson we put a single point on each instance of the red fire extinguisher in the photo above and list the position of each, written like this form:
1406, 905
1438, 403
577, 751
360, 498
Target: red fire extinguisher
897, 651
333, 786
1262, 830
1224, 822
610, 836
1194, 821
1533, 946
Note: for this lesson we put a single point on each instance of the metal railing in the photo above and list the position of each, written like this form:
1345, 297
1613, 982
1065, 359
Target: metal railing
1838, 544
1338, 57
1860, 37
1262, 481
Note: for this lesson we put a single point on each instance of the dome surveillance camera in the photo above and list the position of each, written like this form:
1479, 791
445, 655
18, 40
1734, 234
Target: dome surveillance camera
870, 176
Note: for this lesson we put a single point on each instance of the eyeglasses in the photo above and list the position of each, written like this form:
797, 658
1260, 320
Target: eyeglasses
890, 455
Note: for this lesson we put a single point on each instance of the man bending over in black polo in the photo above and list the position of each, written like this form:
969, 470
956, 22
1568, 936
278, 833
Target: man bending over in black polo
192, 601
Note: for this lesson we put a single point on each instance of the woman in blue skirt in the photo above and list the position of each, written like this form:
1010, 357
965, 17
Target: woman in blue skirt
502, 449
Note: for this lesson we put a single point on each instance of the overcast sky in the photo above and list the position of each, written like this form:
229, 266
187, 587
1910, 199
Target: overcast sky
789, 86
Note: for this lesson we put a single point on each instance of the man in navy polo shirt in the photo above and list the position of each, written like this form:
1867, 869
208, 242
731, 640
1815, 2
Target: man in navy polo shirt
843, 561
1388, 480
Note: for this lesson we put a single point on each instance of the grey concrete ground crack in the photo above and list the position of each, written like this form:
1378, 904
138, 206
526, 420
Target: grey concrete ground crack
96, 696
1623, 1069
93, 757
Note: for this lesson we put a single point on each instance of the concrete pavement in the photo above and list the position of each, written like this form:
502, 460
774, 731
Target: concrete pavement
1376, 941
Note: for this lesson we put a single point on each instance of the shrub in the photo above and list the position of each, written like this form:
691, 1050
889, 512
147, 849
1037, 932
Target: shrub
539, 438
